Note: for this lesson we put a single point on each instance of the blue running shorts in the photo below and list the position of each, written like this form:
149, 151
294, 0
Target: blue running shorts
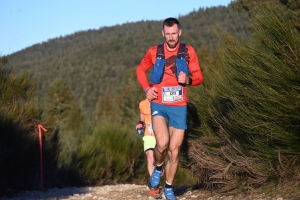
176, 115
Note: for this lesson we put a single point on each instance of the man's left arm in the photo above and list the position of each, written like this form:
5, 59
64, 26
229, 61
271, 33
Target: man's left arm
196, 77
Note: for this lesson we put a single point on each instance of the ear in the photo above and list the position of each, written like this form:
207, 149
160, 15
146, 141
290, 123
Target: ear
162, 32
179, 32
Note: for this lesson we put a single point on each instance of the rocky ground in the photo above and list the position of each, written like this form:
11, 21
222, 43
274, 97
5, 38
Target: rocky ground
132, 192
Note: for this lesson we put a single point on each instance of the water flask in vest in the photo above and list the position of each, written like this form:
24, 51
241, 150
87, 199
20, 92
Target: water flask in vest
140, 131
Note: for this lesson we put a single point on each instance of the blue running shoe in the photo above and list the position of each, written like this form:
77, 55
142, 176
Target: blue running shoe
168, 194
154, 179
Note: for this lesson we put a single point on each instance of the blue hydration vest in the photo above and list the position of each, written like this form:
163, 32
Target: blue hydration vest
159, 67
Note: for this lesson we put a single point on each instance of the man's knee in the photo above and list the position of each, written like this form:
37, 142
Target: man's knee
173, 154
161, 147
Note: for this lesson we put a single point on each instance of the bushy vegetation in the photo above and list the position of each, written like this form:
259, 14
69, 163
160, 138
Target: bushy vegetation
243, 121
110, 155
19, 113
248, 110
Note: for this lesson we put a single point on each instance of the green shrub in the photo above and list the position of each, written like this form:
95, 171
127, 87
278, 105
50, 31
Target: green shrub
19, 115
248, 114
110, 154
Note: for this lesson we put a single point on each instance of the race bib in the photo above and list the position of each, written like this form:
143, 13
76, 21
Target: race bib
149, 128
172, 94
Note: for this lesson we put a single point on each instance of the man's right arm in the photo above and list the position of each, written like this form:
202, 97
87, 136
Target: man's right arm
143, 67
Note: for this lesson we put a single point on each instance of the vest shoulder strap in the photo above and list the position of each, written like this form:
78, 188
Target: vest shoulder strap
160, 51
181, 51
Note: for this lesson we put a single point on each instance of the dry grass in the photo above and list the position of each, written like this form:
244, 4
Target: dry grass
216, 169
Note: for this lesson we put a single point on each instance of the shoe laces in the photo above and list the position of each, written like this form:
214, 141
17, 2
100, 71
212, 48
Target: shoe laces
157, 173
155, 178
169, 193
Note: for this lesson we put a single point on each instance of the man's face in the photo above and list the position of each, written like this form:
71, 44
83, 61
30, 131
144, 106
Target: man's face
171, 35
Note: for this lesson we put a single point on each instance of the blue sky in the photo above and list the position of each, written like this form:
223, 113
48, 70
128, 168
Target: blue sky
24, 23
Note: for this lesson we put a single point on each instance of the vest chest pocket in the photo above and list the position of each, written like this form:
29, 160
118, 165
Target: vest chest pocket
181, 66
158, 71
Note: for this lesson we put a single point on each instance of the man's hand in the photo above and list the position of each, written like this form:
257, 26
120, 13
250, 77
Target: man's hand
138, 126
151, 93
183, 78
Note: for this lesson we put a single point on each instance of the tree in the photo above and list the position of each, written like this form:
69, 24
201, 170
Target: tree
64, 115
253, 106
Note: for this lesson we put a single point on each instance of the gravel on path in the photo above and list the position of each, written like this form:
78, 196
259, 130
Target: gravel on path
132, 192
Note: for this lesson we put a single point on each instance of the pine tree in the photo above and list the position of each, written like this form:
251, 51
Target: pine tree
64, 115
253, 106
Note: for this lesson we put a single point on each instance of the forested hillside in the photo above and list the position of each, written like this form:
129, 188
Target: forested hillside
243, 121
95, 61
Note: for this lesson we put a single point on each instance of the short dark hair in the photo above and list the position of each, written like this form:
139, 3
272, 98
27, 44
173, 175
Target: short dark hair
170, 22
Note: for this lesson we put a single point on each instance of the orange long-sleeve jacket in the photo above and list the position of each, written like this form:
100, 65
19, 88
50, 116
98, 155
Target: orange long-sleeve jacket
170, 92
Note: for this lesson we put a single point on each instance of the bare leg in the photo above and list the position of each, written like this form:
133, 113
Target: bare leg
150, 161
160, 128
176, 138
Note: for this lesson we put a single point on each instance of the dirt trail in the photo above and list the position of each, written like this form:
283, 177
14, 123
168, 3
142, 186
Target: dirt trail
132, 192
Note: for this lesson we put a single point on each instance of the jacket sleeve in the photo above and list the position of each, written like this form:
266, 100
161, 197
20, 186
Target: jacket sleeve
145, 64
194, 67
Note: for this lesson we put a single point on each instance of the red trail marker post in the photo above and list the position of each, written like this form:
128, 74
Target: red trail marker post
40, 128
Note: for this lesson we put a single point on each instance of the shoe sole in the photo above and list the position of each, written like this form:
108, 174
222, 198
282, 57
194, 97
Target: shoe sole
154, 192
152, 188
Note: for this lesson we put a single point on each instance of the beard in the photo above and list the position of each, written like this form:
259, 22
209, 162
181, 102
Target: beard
172, 43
